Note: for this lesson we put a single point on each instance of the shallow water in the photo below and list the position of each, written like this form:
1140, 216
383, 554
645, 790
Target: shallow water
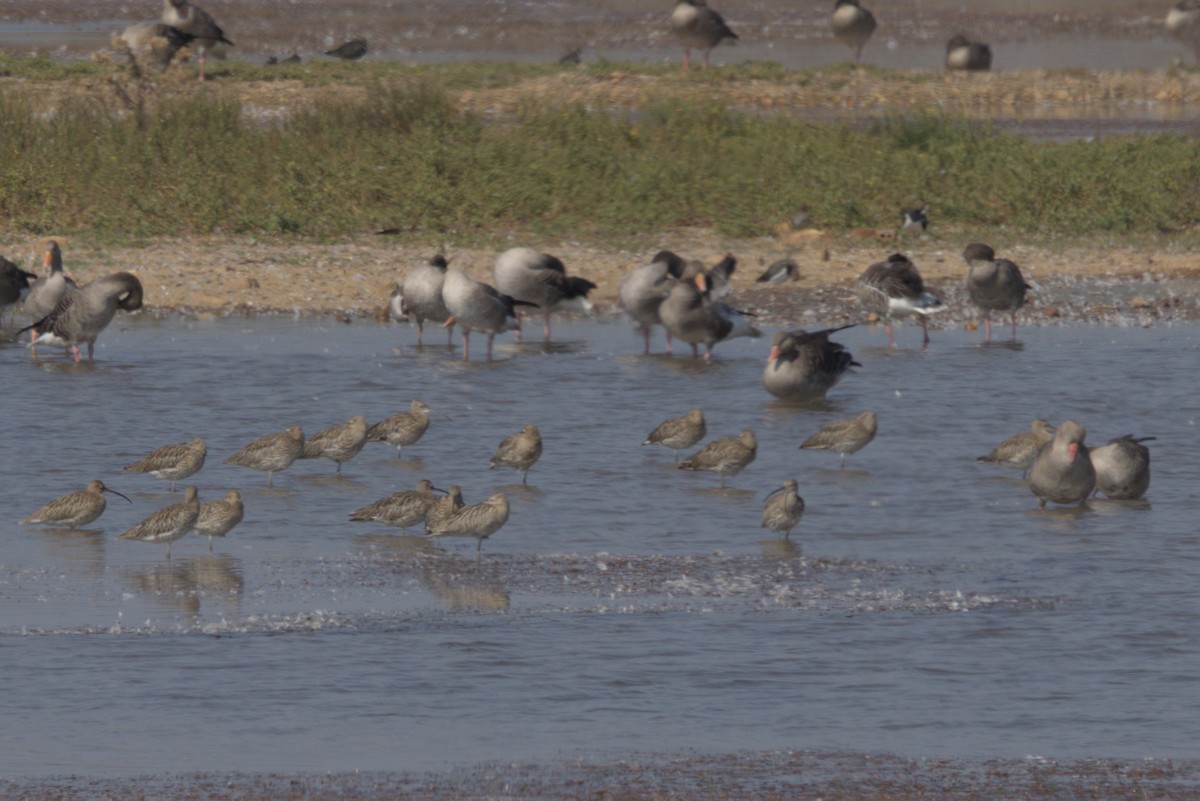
927, 608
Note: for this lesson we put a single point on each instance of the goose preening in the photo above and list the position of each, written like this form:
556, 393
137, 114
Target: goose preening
680, 432
272, 452
172, 462
725, 457
541, 280
196, 23
968, 56
339, 443
83, 312
1122, 467
519, 451
400, 509
783, 509
1063, 471
693, 316
894, 288
47, 291
994, 285
844, 436
780, 272
718, 278
74, 508
480, 520
402, 428
1019, 450
352, 50
421, 293
476, 306
852, 25
698, 27
217, 518
804, 366
642, 292
169, 523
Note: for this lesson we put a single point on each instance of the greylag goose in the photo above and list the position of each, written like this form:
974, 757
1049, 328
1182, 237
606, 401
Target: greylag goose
805, 366
642, 292
422, 292
83, 312
541, 280
1063, 471
47, 291
14, 283
698, 27
993, 285
476, 306
894, 288
1122, 468
852, 25
74, 508
1183, 23
691, 315
968, 56
195, 22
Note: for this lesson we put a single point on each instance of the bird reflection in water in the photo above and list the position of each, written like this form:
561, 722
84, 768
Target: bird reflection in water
184, 583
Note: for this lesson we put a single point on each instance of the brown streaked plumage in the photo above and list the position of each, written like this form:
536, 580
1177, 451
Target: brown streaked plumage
173, 462
169, 523
400, 509
83, 312
74, 508
1122, 468
1019, 450
272, 452
217, 518
783, 509
844, 436
339, 443
1063, 471
402, 428
480, 520
679, 432
443, 508
519, 451
804, 366
725, 457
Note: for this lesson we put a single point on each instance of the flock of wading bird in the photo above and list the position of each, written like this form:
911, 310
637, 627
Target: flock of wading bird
682, 296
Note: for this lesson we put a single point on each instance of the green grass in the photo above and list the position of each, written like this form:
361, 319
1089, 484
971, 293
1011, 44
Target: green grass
406, 157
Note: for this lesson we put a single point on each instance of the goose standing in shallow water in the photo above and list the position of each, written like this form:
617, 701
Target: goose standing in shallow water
14, 282
422, 294
844, 436
74, 508
47, 291
173, 462
217, 518
272, 452
480, 520
963, 54
783, 509
698, 27
894, 288
642, 292
1063, 471
852, 25
541, 280
725, 457
195, 22
1122, 468
519, 451
339, 443
1019, 450
691, 315
403, 428
680, 432
804, 366
83, 312
476, 306
994, 285
169, 523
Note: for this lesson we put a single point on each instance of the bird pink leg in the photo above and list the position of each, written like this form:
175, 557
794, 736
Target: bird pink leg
466, 343
75, 351
421, 331
891, 339
669, 343
1014, 322
33, 343
708, 353
489, 346
987, 328
547, 339
520, 318
646, 340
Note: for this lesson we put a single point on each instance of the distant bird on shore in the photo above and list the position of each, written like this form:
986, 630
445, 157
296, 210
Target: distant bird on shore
155, 40
402, 428
218, 518
698, 26
173, 462
421, 291
292, 58
994, 285
1019, 450
74, 508
520, 451
642, 292
573, 56
783, 509
14, 283
1063, 471
83, 312
780, 272
1122, 467
541, 280
195, 22
916, 217
894, 288
726, 457
968, 56
844, 436
339, 443
1183, 23
352, 50
804, 366
169, 523
476, 306
480, 520
272, 452
852, 25
680, 432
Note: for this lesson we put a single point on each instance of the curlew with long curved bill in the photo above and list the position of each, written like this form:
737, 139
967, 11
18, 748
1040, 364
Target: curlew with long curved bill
14, 283
1063, 471
698, 27
444, 508
894, 288
725, 457
642, 292
541, 280
75, 508
1019, 450
217, 518
476, 306
169, 523
804, 366
195, 22
852, 25
272, 452
780, 272
173, 462
422, 293
339, 443
400, 509
480, 520
967, 56
519, 451
679, 432
47, 291
83, 312
844, 436
783, 509
994, 285
402, 428
1123, 468
692, 315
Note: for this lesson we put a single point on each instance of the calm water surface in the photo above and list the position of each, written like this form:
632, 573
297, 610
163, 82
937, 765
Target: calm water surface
928, 608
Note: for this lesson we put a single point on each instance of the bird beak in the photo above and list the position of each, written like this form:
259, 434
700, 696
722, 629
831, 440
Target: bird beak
114, 492
774, 353
438, 489
450, 321
1072, 451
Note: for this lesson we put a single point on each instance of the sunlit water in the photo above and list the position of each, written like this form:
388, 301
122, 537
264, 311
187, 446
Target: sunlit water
928, 608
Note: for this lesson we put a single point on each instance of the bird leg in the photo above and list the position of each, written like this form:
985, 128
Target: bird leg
891, 338
421, 331
695, 352
987, 327
1014, 322
646, 340
75, 352
708, 352
489, 347
925, 328
668, 343
466, 343
450, 335
547, 339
